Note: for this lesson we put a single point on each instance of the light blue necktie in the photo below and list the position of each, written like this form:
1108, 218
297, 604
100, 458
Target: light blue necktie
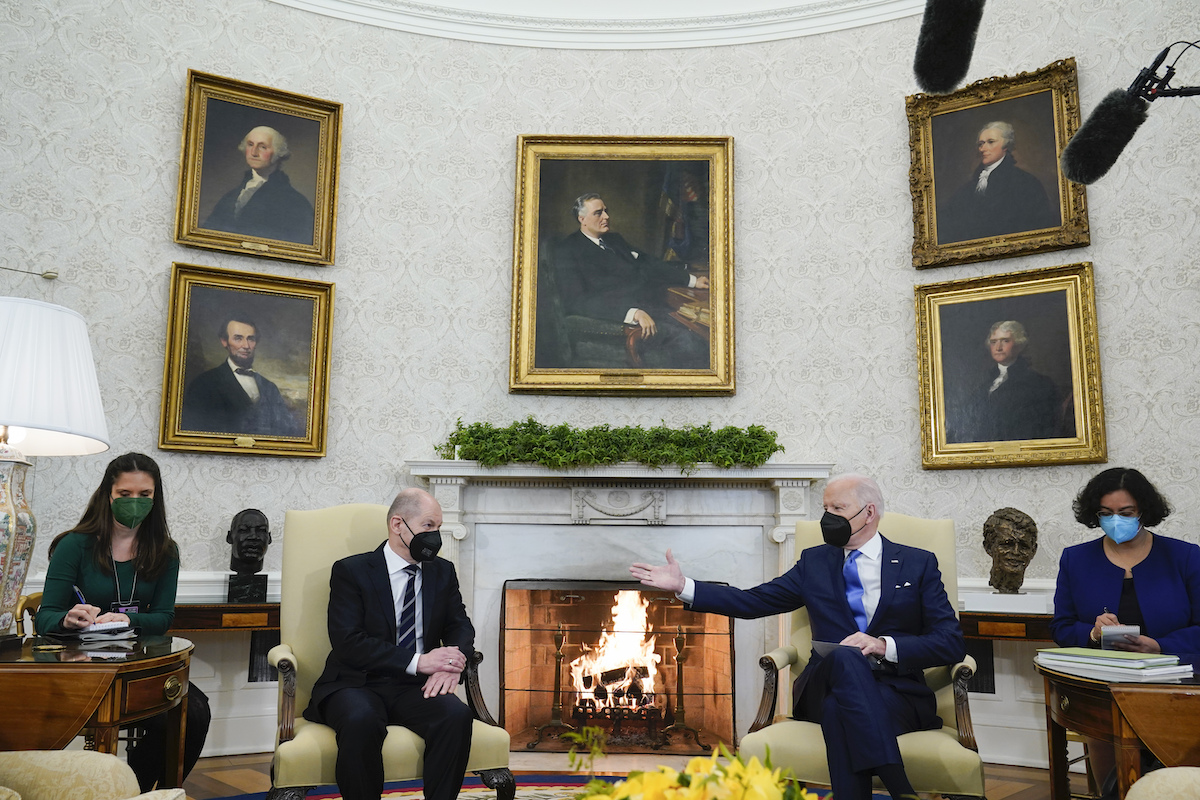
854, 590
407, 629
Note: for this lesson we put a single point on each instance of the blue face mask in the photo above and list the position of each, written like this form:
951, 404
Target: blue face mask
1120, 529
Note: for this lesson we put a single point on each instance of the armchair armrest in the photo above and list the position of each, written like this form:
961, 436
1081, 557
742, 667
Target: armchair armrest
774, 661
960, 673
283, 659
474, 693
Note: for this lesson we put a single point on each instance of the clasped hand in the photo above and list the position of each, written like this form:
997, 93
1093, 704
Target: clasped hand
868, 645
443, 665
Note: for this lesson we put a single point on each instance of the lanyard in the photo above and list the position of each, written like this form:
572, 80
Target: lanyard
117, 578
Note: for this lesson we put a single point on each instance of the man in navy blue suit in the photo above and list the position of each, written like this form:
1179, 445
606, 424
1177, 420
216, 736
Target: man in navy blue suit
884, 601
397, 654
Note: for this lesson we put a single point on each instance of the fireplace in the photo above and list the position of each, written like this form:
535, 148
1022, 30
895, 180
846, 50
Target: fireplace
522, 521
609, 654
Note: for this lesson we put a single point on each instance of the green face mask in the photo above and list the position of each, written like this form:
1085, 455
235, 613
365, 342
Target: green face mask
130, 511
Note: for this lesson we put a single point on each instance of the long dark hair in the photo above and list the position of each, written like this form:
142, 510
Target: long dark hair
155, 547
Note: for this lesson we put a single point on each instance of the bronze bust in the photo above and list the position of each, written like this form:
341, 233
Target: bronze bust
1010, 538
249, 533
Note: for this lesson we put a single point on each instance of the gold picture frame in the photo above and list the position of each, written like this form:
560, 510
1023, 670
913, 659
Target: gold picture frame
275, 330
574, 300
289, 216
1048, 408
1025, 205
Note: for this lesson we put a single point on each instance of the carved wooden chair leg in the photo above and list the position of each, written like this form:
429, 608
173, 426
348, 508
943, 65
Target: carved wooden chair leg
501, 780
633, 337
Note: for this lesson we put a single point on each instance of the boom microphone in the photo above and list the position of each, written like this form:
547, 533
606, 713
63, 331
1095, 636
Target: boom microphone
945, 43
1098, 143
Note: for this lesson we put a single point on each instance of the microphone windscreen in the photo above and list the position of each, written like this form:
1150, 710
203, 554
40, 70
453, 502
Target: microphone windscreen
1104, 134
945, 43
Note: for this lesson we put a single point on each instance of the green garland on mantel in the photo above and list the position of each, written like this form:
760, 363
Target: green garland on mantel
565, 446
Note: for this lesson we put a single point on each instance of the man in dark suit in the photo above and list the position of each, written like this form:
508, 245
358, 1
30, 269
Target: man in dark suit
884, 601
1014, 401
999, 198
264, 203
602, 276
400, 640
232, 397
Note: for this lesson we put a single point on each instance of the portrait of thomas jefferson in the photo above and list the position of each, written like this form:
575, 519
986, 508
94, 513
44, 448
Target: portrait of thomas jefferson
1007, 369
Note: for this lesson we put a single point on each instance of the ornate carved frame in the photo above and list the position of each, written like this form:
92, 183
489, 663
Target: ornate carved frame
1088, 445
1061, 81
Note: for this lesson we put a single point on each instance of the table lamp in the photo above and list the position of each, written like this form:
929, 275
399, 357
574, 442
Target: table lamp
49, 406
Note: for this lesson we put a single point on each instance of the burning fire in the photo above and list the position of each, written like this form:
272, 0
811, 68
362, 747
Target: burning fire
621, 670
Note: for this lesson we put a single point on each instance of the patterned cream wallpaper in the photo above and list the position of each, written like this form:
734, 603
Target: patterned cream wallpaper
91, 101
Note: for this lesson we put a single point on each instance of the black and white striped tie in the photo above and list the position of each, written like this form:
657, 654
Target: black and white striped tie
407, 629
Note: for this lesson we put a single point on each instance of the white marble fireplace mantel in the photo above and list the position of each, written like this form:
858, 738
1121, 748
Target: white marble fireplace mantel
523, 521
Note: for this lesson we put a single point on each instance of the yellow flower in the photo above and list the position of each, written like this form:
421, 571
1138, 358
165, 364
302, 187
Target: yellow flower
721, 777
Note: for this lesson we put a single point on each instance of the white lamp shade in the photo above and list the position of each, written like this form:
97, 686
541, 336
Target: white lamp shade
48, 383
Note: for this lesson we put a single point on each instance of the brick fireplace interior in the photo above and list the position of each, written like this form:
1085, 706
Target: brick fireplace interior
535, 612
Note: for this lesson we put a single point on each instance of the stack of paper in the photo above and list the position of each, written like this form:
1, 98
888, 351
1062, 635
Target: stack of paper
1114, 665
105, 632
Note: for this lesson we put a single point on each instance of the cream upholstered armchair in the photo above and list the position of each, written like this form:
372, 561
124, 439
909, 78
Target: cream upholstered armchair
72, 775
942, 761
306, 752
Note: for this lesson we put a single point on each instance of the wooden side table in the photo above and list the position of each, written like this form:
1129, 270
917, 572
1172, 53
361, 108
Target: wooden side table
52, 696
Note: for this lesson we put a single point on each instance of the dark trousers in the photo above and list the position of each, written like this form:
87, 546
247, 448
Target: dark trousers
148, 757
360, 717
860, 717
673, 346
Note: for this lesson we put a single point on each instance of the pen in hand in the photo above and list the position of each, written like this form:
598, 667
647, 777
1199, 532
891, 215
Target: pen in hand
79, 594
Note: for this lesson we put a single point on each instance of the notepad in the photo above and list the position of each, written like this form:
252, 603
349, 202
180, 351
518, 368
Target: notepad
104, 626
1117, 633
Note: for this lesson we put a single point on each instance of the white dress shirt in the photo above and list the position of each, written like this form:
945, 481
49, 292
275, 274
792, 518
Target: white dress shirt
247, 382
400, 579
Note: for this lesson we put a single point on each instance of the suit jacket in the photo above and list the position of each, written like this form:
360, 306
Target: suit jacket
913, 609
1025, 406
1014, 201
215, 402
274, 211
1168, 592
362, 624
604, 284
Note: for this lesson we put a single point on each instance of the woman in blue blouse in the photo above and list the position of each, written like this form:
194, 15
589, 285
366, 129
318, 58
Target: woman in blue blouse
1128, 576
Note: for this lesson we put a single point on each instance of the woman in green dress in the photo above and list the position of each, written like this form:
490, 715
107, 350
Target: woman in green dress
121, 558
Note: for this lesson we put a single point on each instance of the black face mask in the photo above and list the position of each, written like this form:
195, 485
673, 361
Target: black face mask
424, 545
836, 530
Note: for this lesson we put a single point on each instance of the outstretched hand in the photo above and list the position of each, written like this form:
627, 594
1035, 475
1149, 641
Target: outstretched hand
669, 577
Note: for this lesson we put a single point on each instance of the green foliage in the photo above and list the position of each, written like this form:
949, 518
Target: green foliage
565, 446
593, 739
